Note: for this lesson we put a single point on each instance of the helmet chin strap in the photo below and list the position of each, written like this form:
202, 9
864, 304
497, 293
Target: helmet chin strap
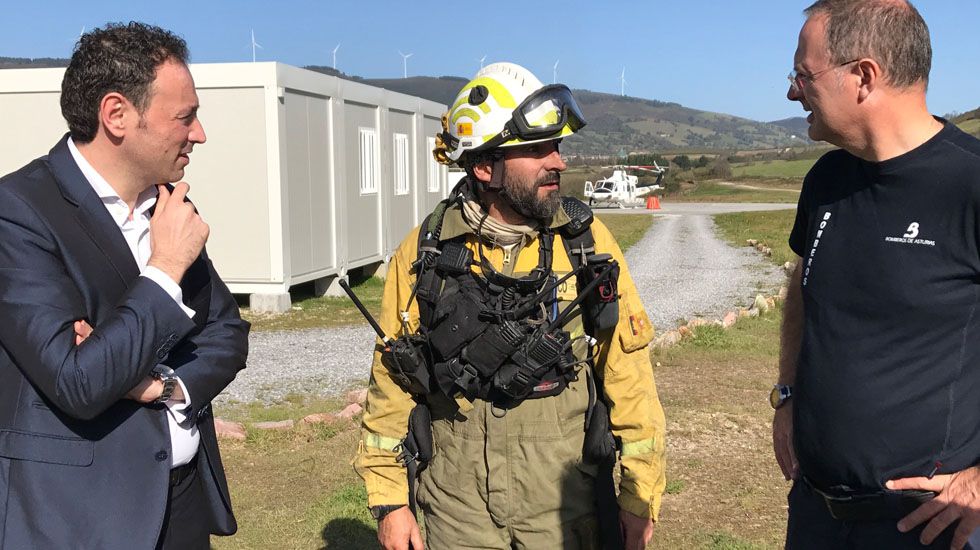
496, 182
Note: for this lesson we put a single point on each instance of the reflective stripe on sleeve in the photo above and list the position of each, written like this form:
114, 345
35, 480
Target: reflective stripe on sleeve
638, 447
381, 442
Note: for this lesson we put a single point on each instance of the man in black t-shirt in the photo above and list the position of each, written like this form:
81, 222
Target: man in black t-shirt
878, 400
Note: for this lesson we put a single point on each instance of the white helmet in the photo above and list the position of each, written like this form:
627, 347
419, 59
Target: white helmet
504, 106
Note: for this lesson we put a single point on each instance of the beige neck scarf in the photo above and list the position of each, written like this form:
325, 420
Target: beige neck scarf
496, 232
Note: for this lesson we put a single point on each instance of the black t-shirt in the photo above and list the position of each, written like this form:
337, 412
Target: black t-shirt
888, 379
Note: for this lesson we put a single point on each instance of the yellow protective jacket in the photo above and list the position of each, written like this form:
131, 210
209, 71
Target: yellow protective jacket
623, 364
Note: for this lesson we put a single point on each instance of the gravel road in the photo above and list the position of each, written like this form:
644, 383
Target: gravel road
680, 266
682, 270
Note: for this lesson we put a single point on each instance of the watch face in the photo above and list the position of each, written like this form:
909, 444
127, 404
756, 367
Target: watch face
779, 395
774, 397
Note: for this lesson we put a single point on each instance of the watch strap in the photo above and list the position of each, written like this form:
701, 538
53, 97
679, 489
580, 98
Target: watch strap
169, 378
780, 394
379, 512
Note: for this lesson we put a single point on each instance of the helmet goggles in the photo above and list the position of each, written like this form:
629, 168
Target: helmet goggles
544, 113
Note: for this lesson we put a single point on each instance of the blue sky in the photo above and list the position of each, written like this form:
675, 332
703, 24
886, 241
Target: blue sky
725, 56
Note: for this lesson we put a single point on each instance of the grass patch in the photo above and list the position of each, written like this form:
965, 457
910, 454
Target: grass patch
727, 492
295, 488
293, 406
771, 228
311, 311
726, 541
774, 169
710, 191
711, 336
628, 229
350, 525
785, 184
675, 486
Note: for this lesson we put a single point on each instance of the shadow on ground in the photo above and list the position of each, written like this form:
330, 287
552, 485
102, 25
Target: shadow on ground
348, 534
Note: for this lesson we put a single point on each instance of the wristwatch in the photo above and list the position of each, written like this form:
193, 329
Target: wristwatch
379, 512
780, 394
166, 375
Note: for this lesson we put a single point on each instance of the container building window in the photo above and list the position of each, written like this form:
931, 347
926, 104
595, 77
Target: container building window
368, 160
401, 164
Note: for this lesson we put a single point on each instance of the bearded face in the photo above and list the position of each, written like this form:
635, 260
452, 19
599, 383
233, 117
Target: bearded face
527, 178
529, 199
531, 195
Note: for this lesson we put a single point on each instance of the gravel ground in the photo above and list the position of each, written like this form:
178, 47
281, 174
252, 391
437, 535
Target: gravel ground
682, 270
316, 361
680, 267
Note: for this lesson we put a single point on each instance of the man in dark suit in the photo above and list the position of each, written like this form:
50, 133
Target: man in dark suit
115, 330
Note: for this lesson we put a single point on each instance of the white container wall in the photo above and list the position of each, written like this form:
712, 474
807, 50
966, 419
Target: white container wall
303, 176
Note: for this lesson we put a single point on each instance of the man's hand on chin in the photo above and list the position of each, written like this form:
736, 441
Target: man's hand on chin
957, 500
637, 531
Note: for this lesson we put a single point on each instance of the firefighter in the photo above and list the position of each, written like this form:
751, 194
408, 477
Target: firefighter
507, 468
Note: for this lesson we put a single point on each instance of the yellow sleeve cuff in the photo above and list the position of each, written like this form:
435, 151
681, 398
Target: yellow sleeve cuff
384, 477
639, 507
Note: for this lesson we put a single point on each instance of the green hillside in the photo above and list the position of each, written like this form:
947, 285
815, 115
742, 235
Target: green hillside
648, 125
774, 168
628, 123
969, 122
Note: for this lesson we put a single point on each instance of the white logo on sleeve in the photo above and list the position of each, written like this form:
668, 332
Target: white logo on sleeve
912, 232
911, 236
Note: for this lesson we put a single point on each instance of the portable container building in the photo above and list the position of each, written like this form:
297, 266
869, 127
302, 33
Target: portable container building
303, 177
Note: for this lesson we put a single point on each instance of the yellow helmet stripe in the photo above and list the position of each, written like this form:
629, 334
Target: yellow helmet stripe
475, 116
464, 98
497, 90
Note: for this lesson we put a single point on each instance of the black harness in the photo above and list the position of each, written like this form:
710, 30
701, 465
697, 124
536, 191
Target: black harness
501, 339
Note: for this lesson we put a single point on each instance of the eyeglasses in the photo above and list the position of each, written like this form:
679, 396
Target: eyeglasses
798, 80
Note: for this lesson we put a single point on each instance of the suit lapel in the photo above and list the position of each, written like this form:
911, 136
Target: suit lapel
91, 214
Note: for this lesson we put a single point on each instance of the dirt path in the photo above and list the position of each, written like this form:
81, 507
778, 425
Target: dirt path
682, 269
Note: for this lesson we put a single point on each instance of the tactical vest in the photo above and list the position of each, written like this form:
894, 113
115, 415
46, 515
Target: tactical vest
503, 339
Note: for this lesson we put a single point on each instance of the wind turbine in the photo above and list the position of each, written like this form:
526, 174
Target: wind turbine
554, 72
405, 57
254, 45
482, 59
335, 56
622, 83
75, 42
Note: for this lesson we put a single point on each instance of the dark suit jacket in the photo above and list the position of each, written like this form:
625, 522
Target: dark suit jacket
80, 466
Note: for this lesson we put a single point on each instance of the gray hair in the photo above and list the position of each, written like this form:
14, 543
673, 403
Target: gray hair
889, 31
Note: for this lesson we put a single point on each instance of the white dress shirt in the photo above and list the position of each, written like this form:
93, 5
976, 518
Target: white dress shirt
135, 228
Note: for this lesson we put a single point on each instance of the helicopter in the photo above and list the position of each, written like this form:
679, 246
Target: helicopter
621, 188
